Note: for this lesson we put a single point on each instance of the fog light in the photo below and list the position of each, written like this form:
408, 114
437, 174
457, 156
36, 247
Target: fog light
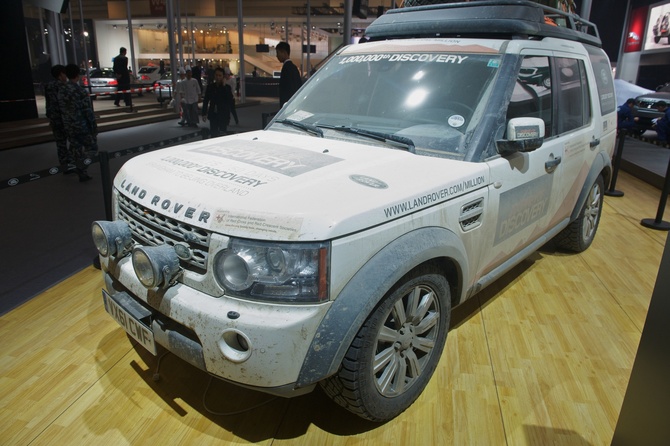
112, 238
155, 266
235, 345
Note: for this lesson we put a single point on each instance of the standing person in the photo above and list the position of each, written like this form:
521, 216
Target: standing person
197, 73
230, 80
289, 80
177, 95
51, 90
78, 120
217, 104
122, 77
190, 96
625, 118
662, 124
254, 73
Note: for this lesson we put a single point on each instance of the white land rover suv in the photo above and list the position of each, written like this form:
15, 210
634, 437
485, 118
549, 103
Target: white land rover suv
407, 174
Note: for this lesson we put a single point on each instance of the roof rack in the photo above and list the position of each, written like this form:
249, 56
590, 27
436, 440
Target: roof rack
513, 18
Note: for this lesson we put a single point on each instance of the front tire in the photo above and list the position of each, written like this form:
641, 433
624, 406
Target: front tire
579, 234
396, 351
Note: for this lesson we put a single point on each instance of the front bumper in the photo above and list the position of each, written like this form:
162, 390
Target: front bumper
203, 330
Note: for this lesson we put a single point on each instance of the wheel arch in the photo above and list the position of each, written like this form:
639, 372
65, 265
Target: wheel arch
601, 166
436, 246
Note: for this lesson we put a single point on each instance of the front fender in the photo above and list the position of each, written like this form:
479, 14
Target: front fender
368, 286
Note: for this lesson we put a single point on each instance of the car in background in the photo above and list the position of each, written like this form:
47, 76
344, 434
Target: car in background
103, 81
645, 107
163, 87
148, 75
662, 28
539, 76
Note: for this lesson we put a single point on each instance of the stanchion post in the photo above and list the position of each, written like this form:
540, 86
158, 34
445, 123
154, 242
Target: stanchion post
612, 192
106, 179
658, 222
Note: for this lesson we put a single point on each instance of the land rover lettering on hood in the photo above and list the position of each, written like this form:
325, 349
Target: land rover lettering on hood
407, 174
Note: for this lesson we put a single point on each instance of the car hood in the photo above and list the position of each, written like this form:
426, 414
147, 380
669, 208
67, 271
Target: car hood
654, 97
283, 186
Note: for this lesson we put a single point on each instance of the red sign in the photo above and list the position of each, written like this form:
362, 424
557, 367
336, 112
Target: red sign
157, 8
638, 20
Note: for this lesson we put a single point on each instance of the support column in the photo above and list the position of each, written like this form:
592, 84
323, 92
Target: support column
240, 32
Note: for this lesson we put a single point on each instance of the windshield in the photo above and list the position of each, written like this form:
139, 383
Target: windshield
430, 99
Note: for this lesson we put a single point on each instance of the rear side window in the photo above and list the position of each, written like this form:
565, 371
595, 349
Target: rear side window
604, 83
572, 94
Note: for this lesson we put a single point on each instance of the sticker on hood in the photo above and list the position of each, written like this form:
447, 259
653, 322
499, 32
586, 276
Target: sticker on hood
286, 160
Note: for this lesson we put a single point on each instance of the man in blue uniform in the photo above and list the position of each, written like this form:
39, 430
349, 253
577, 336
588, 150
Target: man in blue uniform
625, 118
662, 125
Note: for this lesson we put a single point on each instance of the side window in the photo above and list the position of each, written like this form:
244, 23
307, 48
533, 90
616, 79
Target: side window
604, 82
573, 104
532, 96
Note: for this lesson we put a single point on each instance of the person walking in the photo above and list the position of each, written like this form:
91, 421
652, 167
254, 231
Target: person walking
122, 77
54, 114
217, 104
230, 80
190, 96
78, 120
289, 79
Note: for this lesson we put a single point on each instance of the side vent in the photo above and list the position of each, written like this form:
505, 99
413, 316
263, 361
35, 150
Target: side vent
471, 215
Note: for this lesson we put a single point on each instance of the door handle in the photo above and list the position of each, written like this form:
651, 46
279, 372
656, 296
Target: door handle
594, 142
552, 164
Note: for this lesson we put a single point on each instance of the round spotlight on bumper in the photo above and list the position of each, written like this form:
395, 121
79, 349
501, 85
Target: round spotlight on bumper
155, 266
112, 238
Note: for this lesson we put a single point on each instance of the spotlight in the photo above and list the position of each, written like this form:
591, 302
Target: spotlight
155, 266
112, 238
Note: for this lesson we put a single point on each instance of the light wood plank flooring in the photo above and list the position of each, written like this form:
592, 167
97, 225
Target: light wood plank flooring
541, 357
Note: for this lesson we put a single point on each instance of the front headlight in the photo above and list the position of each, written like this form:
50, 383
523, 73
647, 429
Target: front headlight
271, 271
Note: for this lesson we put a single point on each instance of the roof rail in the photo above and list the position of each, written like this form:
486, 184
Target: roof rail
493, 18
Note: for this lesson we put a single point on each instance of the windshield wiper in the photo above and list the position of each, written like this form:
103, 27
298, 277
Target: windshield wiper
379, 136
309, 128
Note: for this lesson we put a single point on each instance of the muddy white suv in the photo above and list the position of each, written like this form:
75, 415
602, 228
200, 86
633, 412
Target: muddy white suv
409, 173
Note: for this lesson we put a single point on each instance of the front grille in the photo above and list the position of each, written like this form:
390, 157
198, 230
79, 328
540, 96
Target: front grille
151, 228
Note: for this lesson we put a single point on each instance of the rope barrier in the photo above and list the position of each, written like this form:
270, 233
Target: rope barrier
132, 90
17, 100
51, 171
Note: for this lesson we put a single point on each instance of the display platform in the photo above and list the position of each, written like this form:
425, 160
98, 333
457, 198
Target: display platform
543, 356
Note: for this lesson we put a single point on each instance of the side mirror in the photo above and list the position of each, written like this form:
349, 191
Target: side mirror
523, 135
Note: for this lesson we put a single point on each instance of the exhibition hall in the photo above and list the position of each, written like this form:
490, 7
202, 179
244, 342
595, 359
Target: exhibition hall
365, 221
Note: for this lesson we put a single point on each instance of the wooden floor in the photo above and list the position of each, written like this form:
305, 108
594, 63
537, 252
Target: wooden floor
542, 357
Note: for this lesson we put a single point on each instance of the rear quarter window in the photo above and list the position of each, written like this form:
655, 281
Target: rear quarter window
604, 82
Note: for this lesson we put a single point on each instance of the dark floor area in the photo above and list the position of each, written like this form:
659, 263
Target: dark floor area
45, 223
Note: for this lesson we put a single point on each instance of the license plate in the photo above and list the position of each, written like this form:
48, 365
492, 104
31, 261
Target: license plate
140, 332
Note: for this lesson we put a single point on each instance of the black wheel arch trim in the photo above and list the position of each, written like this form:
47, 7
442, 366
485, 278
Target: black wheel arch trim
601, 165
368, 286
